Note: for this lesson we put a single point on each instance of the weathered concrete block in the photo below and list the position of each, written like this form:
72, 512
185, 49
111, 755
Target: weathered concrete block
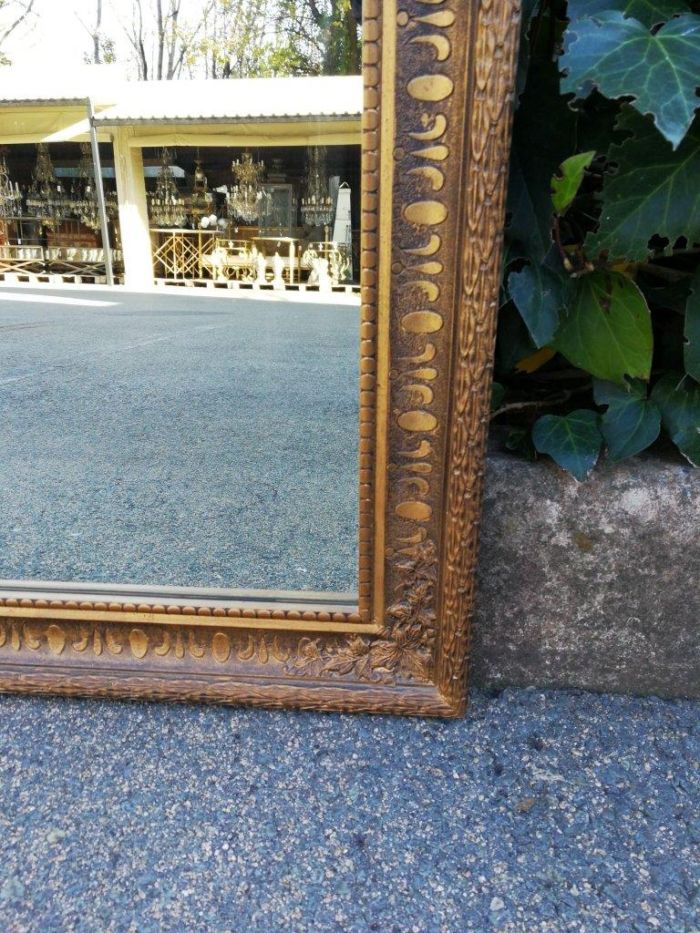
593, 585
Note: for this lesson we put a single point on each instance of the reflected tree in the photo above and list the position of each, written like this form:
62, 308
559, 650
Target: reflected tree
102, 47
323, 36
162, 35
170, 39
251, 38
13, 13
238, 39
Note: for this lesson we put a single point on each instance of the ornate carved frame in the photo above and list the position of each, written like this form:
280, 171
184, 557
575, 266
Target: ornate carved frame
439, 78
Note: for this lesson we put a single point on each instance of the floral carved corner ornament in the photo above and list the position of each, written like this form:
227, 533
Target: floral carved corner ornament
403, 649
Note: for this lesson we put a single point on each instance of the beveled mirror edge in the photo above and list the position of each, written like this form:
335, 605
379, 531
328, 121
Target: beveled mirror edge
411, 658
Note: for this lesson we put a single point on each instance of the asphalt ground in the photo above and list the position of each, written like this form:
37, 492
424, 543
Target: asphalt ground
539, 813
178, 438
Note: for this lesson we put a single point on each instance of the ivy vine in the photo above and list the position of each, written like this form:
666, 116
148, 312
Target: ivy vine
599, 327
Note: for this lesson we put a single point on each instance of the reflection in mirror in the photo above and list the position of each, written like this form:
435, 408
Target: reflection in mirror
179, 298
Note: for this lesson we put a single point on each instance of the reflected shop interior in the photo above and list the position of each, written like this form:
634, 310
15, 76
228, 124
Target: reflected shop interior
179, 322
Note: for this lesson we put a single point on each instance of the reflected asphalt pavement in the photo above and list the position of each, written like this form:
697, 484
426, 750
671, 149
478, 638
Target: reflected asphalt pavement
178, 438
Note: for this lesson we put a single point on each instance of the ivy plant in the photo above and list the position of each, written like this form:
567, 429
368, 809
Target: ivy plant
598, 347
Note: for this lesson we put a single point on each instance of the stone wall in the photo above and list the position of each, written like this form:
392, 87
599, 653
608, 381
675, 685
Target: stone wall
593, 585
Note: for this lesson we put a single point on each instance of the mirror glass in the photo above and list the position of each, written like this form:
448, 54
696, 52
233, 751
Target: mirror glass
179, 293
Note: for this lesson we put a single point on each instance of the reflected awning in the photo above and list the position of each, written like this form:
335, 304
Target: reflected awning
320, 110
243, 100
38, 108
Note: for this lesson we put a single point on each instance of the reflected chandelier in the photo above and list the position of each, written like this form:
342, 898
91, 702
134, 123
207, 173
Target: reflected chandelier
46, 200
167, 206
317, 206
10, 196
243, 199
85, 193
202, 199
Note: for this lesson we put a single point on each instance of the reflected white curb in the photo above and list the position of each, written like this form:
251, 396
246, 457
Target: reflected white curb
29, 291
14, 296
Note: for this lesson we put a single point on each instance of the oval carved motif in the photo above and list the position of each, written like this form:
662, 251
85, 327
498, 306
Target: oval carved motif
430, 87
425, 212
138, 642
414, 511
221, 647
422, 322
417, 421
56, 639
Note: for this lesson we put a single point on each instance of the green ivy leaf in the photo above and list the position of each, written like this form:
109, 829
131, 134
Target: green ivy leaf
513, 342
596, 125
680, 413
498, 393
607, 328
539, 293
519, 440
622, 58
648, 12
543, 135
655, 191
691, 331
573, 441
631, 422
565, 185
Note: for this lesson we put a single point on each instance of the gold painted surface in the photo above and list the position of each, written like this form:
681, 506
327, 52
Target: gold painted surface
430, 87
425, 213
417, 421
200, 621
422, 322
386, 185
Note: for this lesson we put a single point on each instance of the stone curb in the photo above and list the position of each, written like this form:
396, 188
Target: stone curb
590, 585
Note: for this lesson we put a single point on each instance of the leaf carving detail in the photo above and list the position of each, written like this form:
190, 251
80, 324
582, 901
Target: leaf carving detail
403, 649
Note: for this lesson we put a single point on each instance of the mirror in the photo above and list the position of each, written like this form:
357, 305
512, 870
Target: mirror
179, 298
192, 396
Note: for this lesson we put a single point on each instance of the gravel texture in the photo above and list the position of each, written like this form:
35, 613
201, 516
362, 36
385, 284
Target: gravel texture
539, 812
178, 439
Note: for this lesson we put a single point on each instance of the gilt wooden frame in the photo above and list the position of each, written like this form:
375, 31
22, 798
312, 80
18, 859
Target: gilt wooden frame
439, 77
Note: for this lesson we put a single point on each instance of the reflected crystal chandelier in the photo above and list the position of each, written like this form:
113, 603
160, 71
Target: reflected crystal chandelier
244, 198
111, 204
202, 199
167, 206
46, 200
10, 196
317, 206
85, 193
